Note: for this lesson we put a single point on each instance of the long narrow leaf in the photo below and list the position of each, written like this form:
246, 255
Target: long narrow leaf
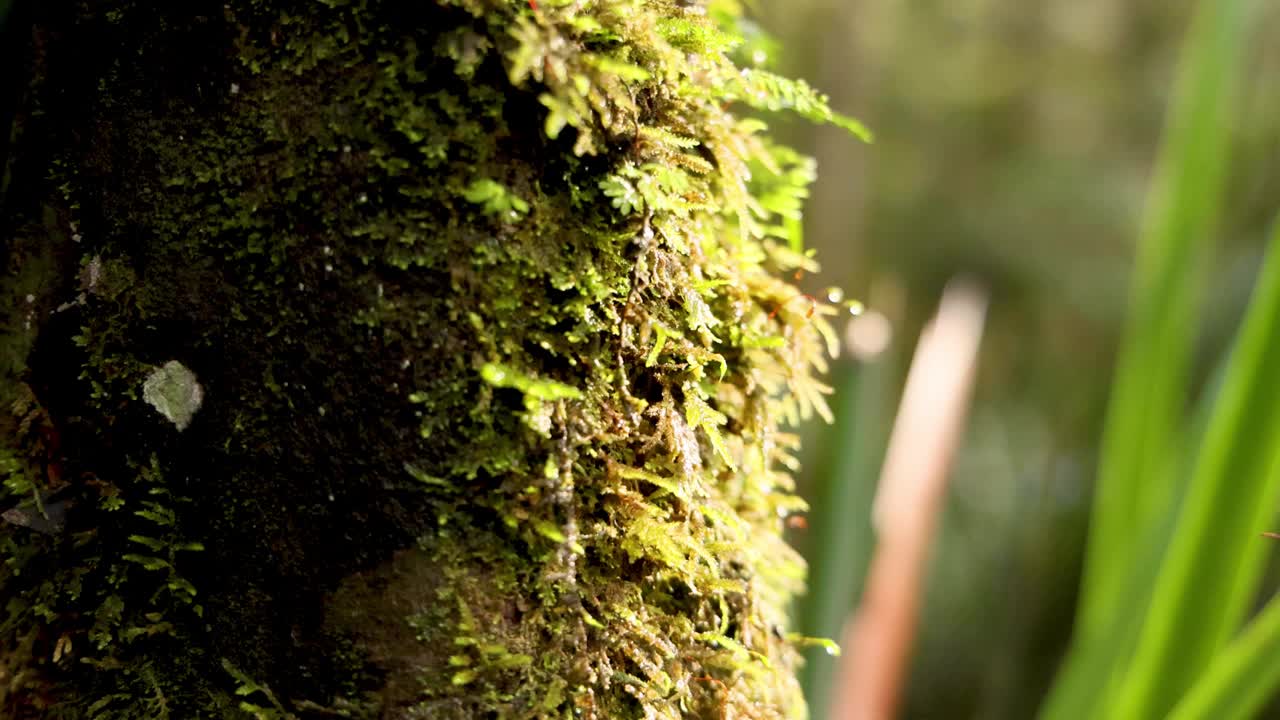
1214, 562
840, 522
1150, 381
1079, 691
1240, 679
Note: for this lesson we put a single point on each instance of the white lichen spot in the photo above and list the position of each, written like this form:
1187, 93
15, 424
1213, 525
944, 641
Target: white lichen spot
173, 391
91, 274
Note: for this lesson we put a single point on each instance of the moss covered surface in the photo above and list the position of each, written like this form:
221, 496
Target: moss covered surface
487, 304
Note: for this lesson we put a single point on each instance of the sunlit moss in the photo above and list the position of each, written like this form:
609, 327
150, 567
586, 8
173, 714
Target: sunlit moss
504, 286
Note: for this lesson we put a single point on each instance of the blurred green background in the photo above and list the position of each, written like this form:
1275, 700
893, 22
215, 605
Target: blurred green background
1015, 142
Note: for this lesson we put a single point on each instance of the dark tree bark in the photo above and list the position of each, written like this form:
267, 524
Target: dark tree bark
397, 359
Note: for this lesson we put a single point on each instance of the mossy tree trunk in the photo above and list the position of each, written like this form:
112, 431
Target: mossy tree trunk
399, 359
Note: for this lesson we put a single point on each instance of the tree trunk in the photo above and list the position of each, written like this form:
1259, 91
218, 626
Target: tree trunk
398, 359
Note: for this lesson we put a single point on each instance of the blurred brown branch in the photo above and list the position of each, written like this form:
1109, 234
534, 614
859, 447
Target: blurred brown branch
912, 485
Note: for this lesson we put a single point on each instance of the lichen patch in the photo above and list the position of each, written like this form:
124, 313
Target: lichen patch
172, 389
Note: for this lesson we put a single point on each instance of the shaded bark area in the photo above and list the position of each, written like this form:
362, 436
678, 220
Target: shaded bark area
437, 464
287, 474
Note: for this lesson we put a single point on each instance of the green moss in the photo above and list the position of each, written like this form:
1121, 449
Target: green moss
501, 286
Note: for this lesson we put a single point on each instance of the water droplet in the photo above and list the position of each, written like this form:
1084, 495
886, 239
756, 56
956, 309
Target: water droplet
759, 57
868, 335
834, 294
855, 308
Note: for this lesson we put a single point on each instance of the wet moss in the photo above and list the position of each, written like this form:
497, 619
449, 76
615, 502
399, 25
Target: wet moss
486, 302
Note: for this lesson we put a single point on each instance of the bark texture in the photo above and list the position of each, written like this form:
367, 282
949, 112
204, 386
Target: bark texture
385, 359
